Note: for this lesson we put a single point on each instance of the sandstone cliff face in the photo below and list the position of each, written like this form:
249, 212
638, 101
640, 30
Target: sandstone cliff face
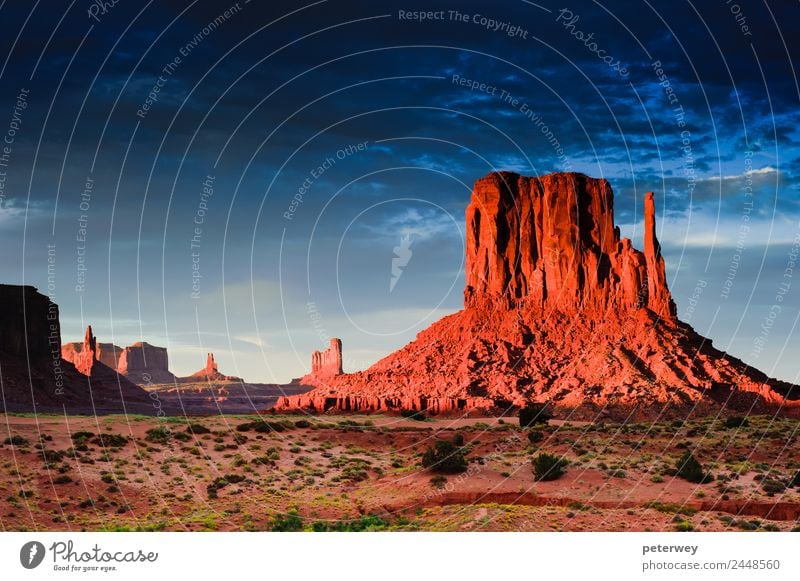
557, 308
35, 377
550, 244
329, 362
143, 363
106, 353
325, 365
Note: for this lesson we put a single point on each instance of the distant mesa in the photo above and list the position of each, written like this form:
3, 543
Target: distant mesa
141, 362
557, 307
144, 363
210, 373
34, 374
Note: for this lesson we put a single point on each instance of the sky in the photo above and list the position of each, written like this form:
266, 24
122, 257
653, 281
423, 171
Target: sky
255, 178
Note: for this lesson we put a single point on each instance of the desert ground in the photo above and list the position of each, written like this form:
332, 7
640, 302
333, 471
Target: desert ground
350, 473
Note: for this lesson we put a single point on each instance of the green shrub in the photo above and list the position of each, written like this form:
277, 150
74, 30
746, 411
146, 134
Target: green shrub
197, 429
414, 415
369, 523
290, 522
439, 481
81, 437
261, 427
302, 424
110, 441
795, 481
533, 414
444, 457
772, 486
688, 468
736, 422
548, 467
16, 441
160, 435
535, 436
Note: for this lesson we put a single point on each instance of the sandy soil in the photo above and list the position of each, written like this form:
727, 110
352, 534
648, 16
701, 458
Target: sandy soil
359, 472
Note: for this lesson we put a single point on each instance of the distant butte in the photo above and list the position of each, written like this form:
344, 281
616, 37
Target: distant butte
557, 307
210, 373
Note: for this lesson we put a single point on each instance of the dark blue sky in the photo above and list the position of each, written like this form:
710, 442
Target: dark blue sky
317, 143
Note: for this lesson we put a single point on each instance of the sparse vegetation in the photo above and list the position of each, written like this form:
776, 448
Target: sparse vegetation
413, 414
736, 422
688, 468
15, 441
289, 522
548, 467
159, 435
533, 414
444, 457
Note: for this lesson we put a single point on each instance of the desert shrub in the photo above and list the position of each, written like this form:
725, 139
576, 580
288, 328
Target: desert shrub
81, 437
736, 422
63, 479
535, 436
160, 435
16, 441
548, 467
669, 508
52, 456
533, 414
688, 468
684, 526
261, 427
197, 429
110, 441
795, 480
458, 439
444, 457
413, 414
369, 523
772, 486
182, 436
290, 522
439, 481
302, 424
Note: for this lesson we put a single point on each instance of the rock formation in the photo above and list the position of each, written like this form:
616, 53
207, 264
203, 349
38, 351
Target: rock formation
210, 373
106, 353
35, 377
558, 308
145, 364
84, 357
329, 362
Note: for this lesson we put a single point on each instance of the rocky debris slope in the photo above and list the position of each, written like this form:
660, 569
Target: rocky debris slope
559, 308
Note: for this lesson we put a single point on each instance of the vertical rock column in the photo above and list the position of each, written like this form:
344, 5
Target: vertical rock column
659, 299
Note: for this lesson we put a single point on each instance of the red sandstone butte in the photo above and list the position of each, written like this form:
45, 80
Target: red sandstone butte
210, 372
106, 353
557, 307
145, 364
